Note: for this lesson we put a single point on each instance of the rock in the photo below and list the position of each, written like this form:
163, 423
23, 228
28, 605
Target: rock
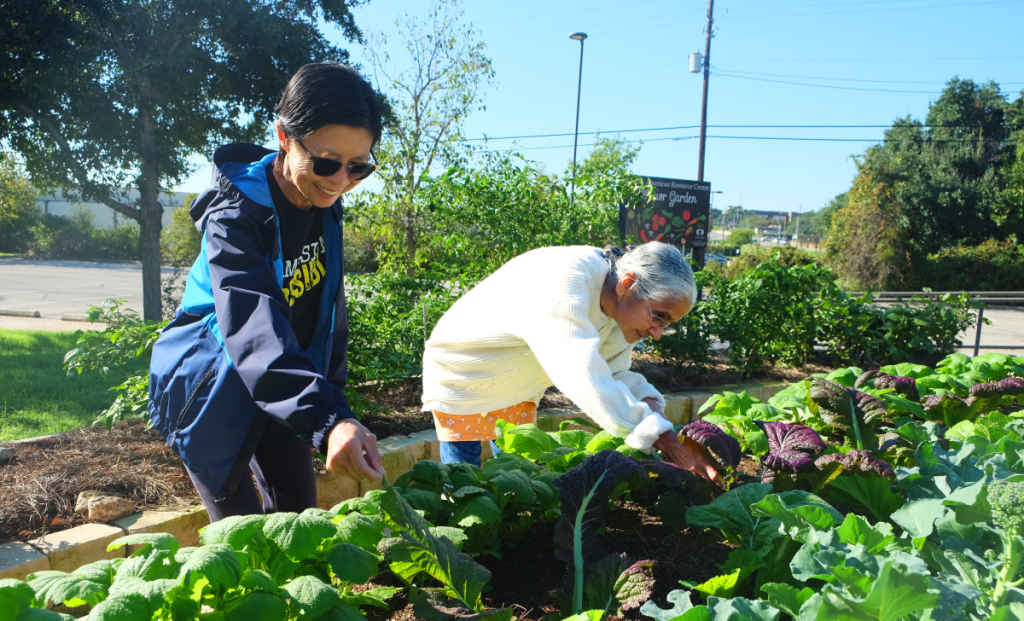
110, 508
82, 504
6, 454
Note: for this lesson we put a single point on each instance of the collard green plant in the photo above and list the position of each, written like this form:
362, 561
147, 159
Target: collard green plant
711, 437
585, 492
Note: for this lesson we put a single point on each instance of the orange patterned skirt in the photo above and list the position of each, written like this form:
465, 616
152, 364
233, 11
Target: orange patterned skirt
463, 427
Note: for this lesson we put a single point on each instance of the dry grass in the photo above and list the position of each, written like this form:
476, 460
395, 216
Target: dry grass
39, 486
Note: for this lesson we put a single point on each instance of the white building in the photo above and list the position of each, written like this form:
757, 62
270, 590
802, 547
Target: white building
106, 217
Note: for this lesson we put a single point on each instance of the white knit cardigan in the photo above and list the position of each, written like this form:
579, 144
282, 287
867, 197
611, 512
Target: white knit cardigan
534, 323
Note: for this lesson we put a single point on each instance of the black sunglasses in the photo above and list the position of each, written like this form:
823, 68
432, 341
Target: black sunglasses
324, 167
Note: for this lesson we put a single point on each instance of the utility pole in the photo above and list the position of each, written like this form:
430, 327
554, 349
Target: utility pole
704, 106
798, 219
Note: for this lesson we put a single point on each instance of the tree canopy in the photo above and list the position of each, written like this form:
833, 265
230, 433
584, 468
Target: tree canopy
931, 187
102, 96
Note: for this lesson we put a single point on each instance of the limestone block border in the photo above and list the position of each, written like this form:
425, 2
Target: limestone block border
70, 549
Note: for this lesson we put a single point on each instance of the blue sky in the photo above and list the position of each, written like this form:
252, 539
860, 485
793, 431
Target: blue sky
774, 62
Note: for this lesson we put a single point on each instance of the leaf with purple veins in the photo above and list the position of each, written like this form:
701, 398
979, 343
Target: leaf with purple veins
711, 436
858, 460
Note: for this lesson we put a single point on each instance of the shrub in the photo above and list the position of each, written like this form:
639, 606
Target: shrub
992, 266
181, 242
752, 256
738, 237
18, 208
76, 237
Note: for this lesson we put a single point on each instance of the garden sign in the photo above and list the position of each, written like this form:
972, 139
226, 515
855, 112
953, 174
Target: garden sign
677, 213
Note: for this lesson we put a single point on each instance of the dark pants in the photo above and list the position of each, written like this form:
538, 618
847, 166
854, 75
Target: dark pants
283, 466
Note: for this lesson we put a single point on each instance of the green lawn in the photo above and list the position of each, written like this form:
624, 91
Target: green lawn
36, 397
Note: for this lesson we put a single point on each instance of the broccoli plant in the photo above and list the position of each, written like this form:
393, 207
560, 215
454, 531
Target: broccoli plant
1007, 502
848, 410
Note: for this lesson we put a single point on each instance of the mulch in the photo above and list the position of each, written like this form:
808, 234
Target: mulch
40, 484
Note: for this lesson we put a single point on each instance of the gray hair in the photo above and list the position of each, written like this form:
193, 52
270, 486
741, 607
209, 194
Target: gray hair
662, 272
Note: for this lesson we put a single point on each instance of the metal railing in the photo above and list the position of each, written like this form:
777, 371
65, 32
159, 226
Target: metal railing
1008, 298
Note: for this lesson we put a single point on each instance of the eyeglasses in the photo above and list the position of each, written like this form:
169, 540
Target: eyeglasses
325, 167
658, 321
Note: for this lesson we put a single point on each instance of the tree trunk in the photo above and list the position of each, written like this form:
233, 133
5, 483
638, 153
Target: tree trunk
410, 242
151, 213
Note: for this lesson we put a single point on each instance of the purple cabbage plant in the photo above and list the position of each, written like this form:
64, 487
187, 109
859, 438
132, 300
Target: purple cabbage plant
711, 437
791, 449
849, 410
951, 409
861, 462
903, 386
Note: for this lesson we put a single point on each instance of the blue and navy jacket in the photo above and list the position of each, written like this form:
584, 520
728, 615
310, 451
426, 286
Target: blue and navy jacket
230, 360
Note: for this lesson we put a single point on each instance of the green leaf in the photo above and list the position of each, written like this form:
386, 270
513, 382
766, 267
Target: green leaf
257, 606
721, 586
807, 512
787, 598
122, 607
897, 592
15, 595
731, 513
159, 541
873, 494
299, 535
857, 530
217, 563
603, 441
680, 601
476, 510
235, 531
516, 483
917, 517
154, 591
359, 530
64, 588
526, 440
1012, 612
352, 564
151, 566
310, 595
258, 580
457, 536
741, 609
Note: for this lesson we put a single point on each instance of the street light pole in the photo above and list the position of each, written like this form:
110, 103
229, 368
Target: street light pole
704, 106
578, 36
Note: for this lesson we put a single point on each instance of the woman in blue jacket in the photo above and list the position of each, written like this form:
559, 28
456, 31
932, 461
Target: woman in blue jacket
251, 372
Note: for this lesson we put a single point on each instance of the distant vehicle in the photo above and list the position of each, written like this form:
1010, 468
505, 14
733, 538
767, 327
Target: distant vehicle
767, 238
717, 258
784, 242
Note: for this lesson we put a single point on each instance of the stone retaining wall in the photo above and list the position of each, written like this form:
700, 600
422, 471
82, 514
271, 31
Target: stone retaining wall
70, 549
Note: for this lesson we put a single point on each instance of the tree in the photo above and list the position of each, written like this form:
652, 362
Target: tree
741, 236
430, 99
610, 154
18, 207
101, 96
930, 188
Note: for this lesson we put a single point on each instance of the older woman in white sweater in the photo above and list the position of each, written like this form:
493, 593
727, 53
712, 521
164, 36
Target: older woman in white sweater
567, 317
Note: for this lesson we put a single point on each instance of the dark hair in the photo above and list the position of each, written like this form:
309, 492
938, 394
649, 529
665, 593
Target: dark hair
321, 94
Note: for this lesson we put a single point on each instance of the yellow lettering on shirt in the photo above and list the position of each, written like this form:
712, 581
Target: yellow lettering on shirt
296, 286
291, 300
314, 271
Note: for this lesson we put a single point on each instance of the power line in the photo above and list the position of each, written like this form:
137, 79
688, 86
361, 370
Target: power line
844, 88
804, 77
658, 129
785, 138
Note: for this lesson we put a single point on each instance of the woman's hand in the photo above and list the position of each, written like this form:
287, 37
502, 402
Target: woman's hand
352, 452
691, 456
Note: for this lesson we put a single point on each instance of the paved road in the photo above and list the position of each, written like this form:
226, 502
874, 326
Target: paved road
57, 287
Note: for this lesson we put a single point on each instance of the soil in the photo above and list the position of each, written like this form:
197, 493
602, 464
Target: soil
528, 571
40, 484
